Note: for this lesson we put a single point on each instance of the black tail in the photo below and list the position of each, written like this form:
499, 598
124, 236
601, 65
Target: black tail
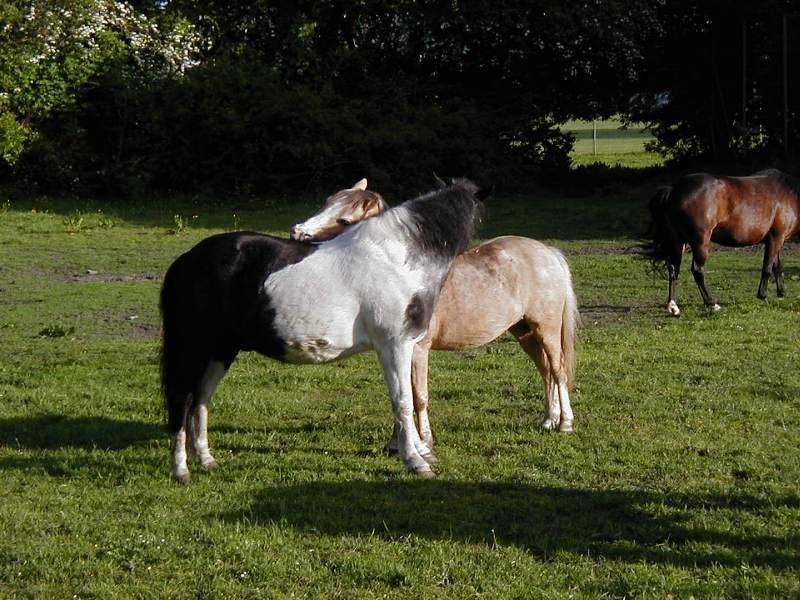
181, 367
657, 244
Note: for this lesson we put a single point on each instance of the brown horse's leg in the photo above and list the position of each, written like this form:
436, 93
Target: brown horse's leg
777, 270
699, 258
673, 271
772, 249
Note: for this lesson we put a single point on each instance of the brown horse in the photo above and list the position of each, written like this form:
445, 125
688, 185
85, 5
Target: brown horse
509, 283
732, 211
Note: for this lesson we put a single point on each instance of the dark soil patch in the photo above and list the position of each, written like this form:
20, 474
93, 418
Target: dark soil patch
95, 277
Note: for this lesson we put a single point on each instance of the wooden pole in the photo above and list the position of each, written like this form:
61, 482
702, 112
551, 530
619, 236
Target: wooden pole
744, 74
785, 86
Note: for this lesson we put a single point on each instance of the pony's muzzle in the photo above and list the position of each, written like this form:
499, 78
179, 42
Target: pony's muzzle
298, 235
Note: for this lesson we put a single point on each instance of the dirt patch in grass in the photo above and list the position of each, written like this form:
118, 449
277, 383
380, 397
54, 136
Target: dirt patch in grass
97, 277
596, 313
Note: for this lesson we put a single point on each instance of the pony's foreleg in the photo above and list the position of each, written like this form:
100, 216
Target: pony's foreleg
198, 421
396, 362
419, 389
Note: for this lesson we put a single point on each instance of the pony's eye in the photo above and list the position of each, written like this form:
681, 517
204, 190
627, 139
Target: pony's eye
342, 222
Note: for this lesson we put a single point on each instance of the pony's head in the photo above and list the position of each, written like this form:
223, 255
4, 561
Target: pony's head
341, 210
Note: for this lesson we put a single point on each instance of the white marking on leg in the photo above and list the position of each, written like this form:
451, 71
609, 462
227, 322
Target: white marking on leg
552, 415
425, 428
200, 425
716, 307
199, 422
180, 470
567, 418
396, 362
672, 308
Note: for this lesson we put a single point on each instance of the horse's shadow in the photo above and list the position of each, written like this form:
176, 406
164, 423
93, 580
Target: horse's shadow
618, 525
53, 432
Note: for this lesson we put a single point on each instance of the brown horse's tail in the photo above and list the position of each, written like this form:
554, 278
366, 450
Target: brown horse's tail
570, 320
657, 243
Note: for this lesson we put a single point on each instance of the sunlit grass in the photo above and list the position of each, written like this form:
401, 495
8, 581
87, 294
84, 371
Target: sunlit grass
681, 480
612, 143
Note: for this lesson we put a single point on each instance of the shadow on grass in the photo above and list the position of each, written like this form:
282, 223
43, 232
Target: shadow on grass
630, 526
53, 432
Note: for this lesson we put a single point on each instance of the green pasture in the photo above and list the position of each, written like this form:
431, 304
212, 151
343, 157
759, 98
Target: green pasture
682, 479
615, 144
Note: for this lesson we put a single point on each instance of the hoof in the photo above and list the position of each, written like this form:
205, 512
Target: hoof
672, 308
715, 307
430, 458
565, 427
183, 478
548, 424
424, 472
210, 465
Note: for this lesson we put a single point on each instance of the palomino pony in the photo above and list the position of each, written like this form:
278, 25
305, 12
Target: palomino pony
732, 211
509, 283
374, 286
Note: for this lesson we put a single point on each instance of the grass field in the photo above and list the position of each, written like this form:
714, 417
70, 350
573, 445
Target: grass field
614, 145
682, 479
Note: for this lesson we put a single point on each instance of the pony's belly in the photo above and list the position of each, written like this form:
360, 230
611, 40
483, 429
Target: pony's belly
314, 350
469, 332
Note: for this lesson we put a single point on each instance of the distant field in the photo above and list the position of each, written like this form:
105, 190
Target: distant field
616, 144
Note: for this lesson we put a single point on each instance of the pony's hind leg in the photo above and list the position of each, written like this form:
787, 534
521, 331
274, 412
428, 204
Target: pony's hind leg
771, 266
699, 258
180, 468
673, 271
533, 344
777, 269
198, 421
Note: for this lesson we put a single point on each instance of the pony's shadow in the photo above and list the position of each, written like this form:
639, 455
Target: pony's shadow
52, 432
618, 525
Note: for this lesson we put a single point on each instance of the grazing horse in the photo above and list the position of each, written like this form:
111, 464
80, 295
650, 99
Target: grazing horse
374, 286
732, 211
510, 283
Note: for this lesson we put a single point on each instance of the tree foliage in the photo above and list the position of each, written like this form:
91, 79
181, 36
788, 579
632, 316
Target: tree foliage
228, 96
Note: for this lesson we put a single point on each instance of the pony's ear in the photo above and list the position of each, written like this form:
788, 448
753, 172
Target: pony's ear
439, 181
484, 192
361, 185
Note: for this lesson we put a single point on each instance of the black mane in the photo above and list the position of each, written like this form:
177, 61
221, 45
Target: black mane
790, 183
442, 222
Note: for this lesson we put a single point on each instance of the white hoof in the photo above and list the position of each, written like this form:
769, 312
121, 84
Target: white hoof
716, 308
548, 424
672, 308
565, 426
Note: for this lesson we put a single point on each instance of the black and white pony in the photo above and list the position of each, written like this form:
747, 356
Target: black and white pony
374, 286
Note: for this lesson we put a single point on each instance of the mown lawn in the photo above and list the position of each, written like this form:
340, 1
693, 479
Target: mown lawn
612, 143
682, 479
